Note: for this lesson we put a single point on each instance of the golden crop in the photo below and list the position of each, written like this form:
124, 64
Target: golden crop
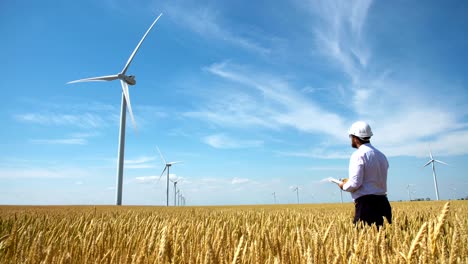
422, 232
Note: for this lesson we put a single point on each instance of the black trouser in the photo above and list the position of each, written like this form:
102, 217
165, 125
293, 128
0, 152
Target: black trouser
371, 209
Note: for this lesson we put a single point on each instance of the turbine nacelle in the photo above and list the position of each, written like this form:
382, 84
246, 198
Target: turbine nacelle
129, 79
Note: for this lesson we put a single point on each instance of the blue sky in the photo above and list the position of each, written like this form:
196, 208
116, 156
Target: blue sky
253, 97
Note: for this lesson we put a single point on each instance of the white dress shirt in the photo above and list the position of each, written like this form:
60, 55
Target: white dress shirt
367, 172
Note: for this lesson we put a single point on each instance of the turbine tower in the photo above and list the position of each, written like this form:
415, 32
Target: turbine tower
175, 191
274, 196
341, 192
297, 192
409, 191
178, 197
166, 167
432, 161
125, 81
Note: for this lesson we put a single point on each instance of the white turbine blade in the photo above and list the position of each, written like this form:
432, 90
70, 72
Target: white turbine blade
138, 46
162, 173
429, 162
440, 162
162, 157
97, 79
127, 99
430, 154
174, 162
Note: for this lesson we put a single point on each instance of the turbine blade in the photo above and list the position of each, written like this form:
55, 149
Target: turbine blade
162, 173
429, 162
162, 157
127, 99
430, 154
175, 162
440, 162
97, 79
138, 46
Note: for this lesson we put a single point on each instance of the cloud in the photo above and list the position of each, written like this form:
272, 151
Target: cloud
51, 172
222, 141
403, 125
284, 106
143, 162
236, 180
73, 139
65, 141
207, 22
147, 179
157, 178
339, 35
318, 153
235, 109
85, 120
92, 116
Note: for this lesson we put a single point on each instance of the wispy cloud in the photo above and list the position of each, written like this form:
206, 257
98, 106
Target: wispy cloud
72, 139
94, 116
236, 180
318, 153
339, 33
143, 162
402, 124
85, 120
222, 141
146, 179
157, 178
65, 141
207, 22
284, 106
50, 172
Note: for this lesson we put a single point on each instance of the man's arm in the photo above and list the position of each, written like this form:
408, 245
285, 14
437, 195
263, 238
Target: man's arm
356, 174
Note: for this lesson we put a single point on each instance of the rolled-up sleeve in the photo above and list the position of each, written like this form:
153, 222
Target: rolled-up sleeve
356, 173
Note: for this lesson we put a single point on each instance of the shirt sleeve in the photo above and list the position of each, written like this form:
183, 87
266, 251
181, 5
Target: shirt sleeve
356, 173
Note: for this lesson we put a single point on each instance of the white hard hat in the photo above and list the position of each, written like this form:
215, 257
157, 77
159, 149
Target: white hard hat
361, 130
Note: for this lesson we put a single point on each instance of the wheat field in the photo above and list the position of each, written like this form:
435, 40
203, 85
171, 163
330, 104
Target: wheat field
422, 232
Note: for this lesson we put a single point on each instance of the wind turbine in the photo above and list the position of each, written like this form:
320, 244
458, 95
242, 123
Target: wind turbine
182, 199
341, 192
274, 196
409, 191
178, 197
167, 166
175, 191
432, 161
297, 192
125, 80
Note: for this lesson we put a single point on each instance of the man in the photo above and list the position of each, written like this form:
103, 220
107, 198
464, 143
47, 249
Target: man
367, 180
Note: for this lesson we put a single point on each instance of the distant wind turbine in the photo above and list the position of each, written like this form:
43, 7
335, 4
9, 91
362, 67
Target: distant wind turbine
176, 191
166, 167
297, 192
178, 197
341, 192
274, 196
432, 161
125, 80
409, 191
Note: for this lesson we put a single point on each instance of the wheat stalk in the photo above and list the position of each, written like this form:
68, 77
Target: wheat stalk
238, 250
416, 243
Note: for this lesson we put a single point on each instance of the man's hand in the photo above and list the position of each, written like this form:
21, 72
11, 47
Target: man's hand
343, 181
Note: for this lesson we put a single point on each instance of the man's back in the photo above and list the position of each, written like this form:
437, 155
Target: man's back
367, 172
